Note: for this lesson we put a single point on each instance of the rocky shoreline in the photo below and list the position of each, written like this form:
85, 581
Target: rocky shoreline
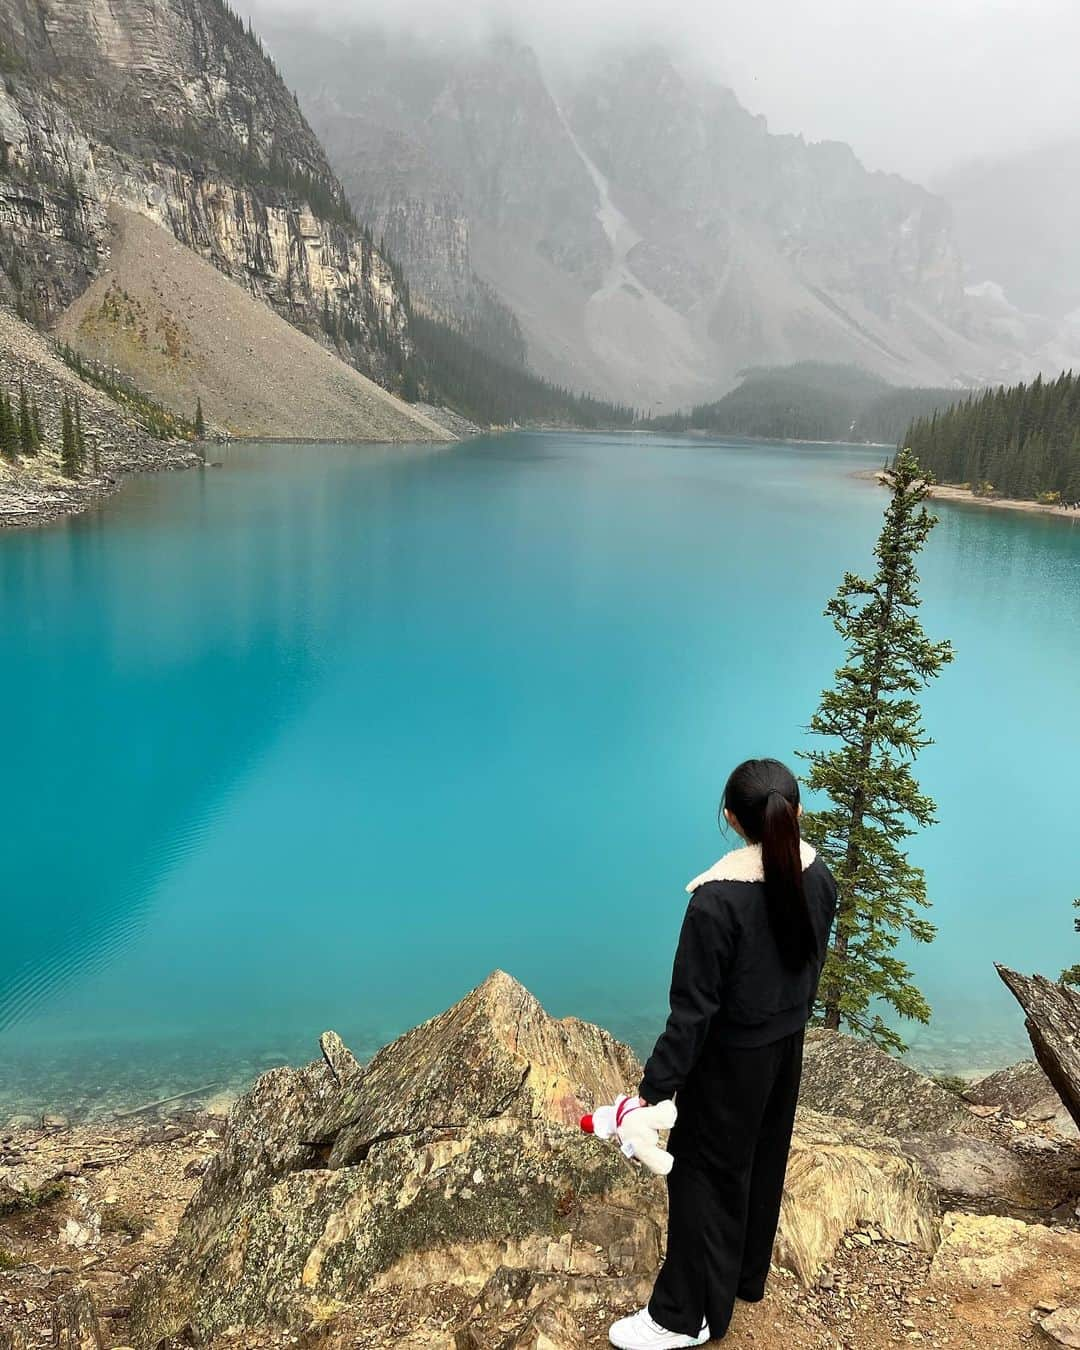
952, 492
441, 1195
33, 490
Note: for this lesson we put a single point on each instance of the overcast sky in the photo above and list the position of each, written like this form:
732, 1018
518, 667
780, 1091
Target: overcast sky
913, 85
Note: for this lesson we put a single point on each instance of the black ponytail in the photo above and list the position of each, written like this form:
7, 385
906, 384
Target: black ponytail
763, 796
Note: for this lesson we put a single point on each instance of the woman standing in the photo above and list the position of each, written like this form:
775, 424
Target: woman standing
746, 973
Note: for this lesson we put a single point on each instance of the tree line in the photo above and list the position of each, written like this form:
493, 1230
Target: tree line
444, 366
22, 435
162, 424
1019, 442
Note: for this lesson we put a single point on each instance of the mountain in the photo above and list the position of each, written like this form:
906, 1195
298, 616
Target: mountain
646, 232
171, 110
1018, 224
813, 401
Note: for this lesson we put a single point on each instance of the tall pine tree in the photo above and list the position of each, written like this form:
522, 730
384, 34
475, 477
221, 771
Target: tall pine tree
69, 447
27, 439
9, 431
80, 443
872, 721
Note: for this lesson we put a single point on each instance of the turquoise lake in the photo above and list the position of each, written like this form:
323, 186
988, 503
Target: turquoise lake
320, 737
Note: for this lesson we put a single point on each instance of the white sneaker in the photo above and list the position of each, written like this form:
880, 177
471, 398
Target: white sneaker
640, 1332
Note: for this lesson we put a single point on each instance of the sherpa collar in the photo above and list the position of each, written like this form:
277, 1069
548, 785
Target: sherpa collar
744, 864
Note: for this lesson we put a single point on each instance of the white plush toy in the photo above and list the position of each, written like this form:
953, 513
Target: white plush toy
635, 1127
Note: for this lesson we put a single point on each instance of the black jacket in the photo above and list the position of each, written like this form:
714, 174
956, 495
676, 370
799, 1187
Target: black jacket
729, 985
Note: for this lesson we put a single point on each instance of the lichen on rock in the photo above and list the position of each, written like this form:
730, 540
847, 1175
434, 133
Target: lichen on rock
453, 1157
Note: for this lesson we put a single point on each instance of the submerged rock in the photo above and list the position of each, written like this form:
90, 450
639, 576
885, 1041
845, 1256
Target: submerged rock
453, 1158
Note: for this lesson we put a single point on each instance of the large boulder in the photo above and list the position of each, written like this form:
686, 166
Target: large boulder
454, 1154
1052, 1018
843, 1076
454, 1150
1023, 1092
963, 1167
842, 1175
987, 1251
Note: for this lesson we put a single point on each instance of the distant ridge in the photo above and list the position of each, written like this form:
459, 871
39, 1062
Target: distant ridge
813, 401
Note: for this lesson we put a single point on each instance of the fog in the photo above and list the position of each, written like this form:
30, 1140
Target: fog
913, 85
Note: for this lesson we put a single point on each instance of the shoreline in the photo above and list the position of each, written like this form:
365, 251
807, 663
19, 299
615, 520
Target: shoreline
30, 501
951, 492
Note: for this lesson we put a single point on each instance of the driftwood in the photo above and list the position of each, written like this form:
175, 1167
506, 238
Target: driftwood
164, 1101
1052, 1018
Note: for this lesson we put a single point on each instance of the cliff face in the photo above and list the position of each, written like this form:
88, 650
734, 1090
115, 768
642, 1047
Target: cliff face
650, 234
171, 109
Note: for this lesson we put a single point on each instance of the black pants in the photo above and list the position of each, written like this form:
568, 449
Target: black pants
731, 1145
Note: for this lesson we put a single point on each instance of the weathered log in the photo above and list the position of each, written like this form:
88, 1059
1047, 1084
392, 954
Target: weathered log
1052, 1018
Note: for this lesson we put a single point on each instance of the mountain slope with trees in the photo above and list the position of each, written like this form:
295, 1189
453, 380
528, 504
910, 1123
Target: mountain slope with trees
1021, 442
811, 401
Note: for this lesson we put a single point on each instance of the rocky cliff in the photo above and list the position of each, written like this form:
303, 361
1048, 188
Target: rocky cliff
170, 108
649, 233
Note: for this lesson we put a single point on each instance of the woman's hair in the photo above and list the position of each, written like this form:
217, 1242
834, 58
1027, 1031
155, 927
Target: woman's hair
763, 796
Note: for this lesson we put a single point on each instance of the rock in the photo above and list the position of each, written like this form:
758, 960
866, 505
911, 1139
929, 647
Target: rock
453, 1158
321, 1186
166, 1133
842, 1175
549, 1328
1052, 1018
984, 1251
340, 1060
28, 1185
1024, 1091
54, 1122
496, 1052
844, 1076
75, 1322
968, 1168
12, 1338
1062, 1327
73, 1233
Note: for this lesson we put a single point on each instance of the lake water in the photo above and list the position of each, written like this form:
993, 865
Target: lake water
320, 737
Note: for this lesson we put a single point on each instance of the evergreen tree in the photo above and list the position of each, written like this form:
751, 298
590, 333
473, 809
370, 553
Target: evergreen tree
200, 424
80, 443
35, 418
69, 450
27, 439
1020, 439
872, 718
9, 431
